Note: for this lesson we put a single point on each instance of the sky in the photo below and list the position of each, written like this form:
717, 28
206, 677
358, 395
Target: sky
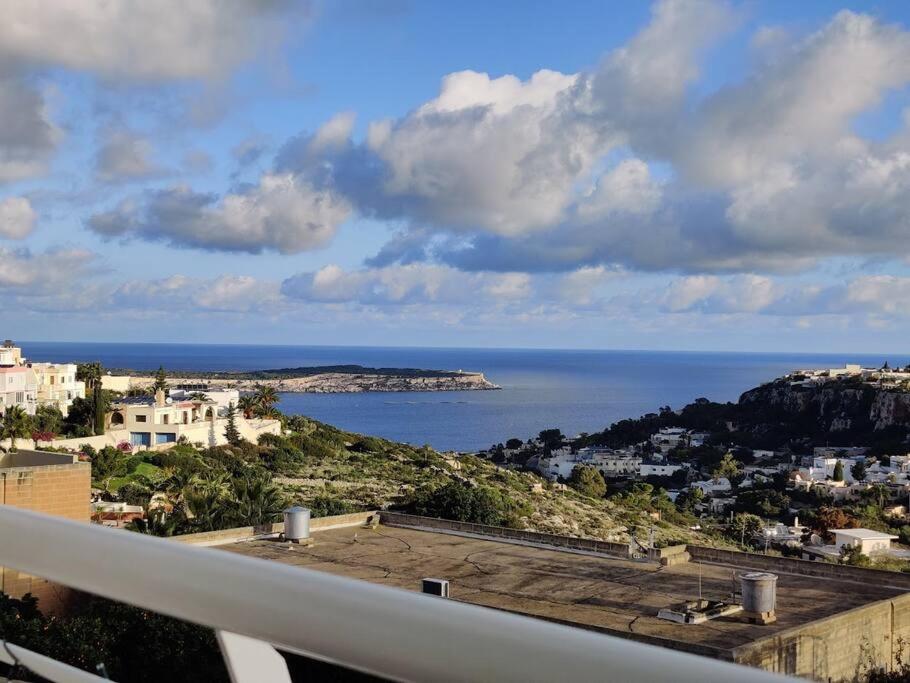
681, 175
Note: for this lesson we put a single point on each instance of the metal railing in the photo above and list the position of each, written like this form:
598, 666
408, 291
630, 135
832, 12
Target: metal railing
388, 632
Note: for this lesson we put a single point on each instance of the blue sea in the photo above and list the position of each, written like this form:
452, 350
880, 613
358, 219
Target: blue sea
577, 391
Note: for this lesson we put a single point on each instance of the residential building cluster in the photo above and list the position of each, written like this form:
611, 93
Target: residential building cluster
29, 385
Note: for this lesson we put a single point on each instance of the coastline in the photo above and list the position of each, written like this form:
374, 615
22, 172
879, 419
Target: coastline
337, 382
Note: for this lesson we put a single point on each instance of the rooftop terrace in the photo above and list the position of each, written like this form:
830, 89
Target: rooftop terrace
617, 596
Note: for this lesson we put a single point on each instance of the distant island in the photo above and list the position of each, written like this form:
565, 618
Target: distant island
329, 379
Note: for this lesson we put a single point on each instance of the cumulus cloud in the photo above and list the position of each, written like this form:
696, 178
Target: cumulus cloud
881, 296
226, 294
281, 213
167, 39
124, 155
28, 273
631, 164
402, 285
17, 218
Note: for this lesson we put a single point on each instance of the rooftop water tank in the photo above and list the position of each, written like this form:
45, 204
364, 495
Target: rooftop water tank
759, 592
296, 523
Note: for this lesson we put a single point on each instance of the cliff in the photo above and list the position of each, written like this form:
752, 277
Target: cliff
832, 407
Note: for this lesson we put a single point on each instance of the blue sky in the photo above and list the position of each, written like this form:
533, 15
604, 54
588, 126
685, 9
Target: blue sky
689, 174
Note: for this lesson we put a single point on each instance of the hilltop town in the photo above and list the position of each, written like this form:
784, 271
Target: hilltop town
815, 464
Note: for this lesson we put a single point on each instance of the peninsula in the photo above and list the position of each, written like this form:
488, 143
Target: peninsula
333, 379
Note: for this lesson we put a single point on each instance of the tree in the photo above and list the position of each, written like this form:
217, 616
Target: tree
514, 444
256, 500
91, 374
231, 433
838, 471
247, 405
728, 468
859, 470
266, 397
588, 481
15, 424
828, 518
745, 525
464, 502
160, 380
108, 463
48, 418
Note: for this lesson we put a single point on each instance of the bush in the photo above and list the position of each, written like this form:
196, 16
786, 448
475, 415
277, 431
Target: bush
588, 481
463, 502
326, 506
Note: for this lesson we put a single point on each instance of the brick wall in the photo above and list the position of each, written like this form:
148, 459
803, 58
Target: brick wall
61, 490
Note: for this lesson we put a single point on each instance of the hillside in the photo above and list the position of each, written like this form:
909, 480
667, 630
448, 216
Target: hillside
333, 472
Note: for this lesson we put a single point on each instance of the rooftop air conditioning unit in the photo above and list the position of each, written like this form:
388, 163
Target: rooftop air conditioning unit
437, 587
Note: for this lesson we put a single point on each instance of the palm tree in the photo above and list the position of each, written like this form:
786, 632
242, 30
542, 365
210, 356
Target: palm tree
198, 396
16, 424
91, 374
266, 397
247, 405
257, 500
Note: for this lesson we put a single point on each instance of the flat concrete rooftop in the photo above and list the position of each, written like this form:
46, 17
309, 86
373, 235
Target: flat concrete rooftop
601, 593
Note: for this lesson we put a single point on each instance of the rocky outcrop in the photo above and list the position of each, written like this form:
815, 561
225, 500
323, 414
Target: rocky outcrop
834, 406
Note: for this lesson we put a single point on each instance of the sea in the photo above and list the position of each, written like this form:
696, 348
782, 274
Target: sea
576, 391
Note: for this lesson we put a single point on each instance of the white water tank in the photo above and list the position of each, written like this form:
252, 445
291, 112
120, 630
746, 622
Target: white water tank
296, 523
759, 592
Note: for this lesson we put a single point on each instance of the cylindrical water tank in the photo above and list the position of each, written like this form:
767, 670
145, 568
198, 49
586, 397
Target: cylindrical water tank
296, 523
759, 591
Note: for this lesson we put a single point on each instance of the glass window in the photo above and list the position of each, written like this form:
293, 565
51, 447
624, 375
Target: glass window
140, 418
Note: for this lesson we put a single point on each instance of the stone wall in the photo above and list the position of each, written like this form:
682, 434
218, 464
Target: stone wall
837, 647
247, 533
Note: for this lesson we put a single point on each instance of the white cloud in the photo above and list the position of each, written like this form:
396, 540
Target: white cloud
165, 39
406, 285
282, 214
766, 174
17, 218
226, 294
28, 273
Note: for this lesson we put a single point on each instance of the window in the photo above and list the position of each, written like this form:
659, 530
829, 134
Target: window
164, 419
141, 418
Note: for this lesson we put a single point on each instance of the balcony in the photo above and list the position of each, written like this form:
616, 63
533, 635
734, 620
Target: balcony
258, 607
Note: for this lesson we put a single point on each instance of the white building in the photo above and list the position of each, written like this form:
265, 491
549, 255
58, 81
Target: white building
869, 541
657, 470
18, 387
610, 463
57, 385
222, 398
668, 438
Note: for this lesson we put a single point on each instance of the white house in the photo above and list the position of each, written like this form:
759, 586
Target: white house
869, 541
18, 387
57, 385
222, 398
656, 470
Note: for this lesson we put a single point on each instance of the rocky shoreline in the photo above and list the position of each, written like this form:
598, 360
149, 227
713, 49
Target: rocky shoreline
342, 383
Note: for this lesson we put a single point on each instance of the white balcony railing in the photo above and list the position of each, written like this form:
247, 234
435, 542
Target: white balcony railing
389, 632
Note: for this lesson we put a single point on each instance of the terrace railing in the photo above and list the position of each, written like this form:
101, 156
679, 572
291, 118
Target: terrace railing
256, 606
